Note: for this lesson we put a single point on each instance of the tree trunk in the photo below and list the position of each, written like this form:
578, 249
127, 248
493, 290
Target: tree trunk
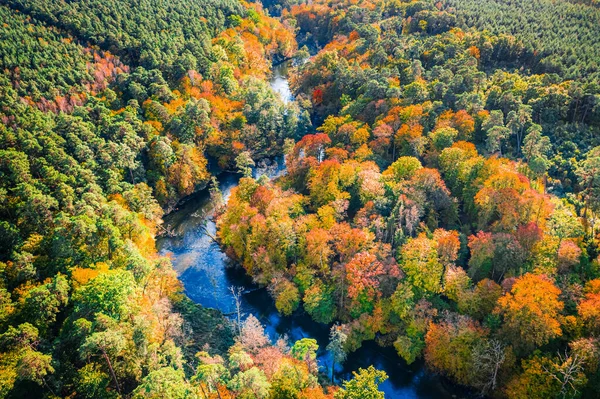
332, 369
587, 107
48, 386
203, 391
112, 372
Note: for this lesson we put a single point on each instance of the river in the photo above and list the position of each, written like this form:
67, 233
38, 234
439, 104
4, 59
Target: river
207, 274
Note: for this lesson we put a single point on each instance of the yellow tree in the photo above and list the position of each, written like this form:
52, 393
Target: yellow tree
531, 311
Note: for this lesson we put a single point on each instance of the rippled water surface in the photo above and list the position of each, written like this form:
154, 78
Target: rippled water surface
207, 275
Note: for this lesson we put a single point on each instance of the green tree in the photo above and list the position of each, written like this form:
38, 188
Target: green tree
108, 293
165, 383
43, 303
364, 385
211, 372
107, 344
306, 349
443, 137
94, 383
516, 122
244, 163
251, 383
536, 148
35, 366
589, 179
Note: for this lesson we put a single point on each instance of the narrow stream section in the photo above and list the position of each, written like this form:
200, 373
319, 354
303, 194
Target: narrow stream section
207, 273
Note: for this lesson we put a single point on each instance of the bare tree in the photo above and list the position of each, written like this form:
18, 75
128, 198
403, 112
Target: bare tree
337, 340
204, 227
236, 292
568, 371
253, 336
488, 359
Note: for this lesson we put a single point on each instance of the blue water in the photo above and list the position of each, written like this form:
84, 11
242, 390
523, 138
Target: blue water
207, 273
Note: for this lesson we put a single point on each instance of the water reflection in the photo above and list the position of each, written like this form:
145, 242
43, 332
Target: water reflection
279, 81
207, 274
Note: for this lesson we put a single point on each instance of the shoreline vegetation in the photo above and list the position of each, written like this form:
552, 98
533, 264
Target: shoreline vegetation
432, 209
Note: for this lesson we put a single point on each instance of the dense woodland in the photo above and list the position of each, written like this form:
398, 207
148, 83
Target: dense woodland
447, 204
104, 126
441, 195
558, 36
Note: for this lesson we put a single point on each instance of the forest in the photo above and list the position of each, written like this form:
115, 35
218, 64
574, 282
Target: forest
446, 204
441, 194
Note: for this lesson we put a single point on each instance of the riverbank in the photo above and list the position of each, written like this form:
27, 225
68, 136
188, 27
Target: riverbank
207, 274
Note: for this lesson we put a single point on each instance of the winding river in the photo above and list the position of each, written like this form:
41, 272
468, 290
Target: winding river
207, 274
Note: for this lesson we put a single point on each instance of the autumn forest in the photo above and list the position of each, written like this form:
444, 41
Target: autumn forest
437, 198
